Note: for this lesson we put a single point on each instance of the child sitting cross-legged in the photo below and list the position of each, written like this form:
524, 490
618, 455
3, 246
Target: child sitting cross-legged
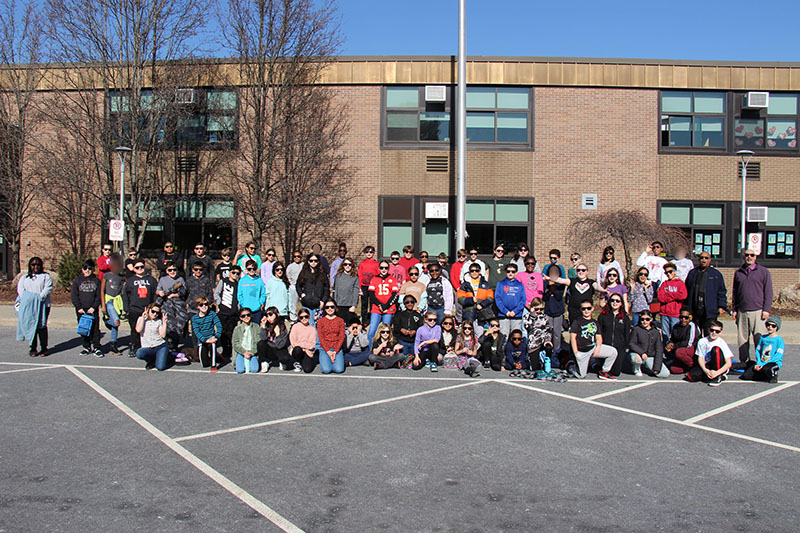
769, 354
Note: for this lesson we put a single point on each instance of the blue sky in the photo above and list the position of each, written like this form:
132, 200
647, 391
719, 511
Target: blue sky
731, 30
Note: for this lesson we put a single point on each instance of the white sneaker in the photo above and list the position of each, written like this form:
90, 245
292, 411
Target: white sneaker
638, 374
298, 367
264, 367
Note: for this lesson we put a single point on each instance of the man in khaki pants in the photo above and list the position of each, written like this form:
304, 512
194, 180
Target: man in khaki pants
752, 302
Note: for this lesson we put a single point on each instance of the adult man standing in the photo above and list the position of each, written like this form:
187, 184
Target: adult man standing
752, 302
707, 295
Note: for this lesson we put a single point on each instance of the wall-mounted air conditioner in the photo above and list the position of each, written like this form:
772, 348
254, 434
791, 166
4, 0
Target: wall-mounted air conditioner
435, 93
757, 214
756, 100
184, 96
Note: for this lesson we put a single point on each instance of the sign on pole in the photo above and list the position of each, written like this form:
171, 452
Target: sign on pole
754, 242
116, 230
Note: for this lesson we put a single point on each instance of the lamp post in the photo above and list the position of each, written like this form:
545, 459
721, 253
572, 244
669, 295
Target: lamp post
122, 151
461, 134
742, 155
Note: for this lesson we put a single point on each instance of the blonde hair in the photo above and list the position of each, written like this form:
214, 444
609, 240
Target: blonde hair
376, 340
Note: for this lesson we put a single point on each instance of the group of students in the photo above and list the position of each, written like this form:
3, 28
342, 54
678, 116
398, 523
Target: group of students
505, 313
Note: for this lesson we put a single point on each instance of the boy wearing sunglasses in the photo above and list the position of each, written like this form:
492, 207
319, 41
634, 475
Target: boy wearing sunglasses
714, 358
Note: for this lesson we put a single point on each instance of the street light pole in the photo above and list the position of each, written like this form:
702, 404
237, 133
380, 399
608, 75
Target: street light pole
461, 135
122, 151
742, 154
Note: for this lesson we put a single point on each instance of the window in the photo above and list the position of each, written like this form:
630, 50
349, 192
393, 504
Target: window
693, 119
703, 223
780, 234
208, 117
397, 226
497, 221
773, 129
495, 115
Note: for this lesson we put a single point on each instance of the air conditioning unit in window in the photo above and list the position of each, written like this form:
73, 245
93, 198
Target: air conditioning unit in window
435, 93
756, 214
756, 100
184, 96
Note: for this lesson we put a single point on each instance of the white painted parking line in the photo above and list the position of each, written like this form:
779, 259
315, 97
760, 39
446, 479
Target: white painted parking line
257, 505
29, 369
618, 391
738, 403
327, 411
656, 417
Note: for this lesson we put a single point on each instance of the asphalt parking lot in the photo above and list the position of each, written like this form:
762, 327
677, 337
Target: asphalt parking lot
101, 444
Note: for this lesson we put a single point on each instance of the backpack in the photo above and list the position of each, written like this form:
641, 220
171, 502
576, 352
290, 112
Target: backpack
85, 324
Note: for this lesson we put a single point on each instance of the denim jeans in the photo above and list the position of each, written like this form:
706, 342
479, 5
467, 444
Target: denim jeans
374, 320
326, 366
247, 365
408, 347
667, 323
113, 320
439, 313
357, 358
158, 355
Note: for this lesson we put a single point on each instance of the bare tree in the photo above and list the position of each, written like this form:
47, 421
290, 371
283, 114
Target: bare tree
290, 180
20, 54
629, 229
124, 65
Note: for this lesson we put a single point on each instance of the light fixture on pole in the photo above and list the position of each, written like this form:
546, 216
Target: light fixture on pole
461, 134
122, 151
742, 155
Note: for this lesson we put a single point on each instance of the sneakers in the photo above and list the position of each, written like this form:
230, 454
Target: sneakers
86, 351
149, 366
98, 353
638, 374
606, 376
298, 367
427, 364
113, 349
33, 353
264, 367
717, 381
213, 370
434, 367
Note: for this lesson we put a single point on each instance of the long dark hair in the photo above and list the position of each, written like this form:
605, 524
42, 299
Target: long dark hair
35, 260
516, 251
607, 310
276, 265
279, 321
306, 274
605, 251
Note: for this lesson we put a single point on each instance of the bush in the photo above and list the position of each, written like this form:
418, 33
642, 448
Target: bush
69, 267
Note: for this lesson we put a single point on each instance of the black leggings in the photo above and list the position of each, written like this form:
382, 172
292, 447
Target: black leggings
308, 363
41, 334
92, 340
485, 354
365, 304
533, 357
274, 356
429, 352
767, 372
206, 353
716, 360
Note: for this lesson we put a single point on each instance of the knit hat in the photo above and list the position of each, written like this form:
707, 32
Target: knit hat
775, 320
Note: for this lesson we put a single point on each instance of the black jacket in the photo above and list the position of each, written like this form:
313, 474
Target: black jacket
616, 331
406, 320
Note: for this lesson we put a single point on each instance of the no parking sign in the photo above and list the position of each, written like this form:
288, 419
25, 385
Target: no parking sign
116, 230
754, 242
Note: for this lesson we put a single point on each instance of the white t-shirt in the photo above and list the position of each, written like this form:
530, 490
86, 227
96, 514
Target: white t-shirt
705, 345
654, 264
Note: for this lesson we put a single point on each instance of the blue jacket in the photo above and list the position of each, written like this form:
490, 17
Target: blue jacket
553, 297
510, 296
251, 294
517, 355
716, 293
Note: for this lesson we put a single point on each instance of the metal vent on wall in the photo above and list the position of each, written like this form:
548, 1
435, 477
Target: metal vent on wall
187, 163
753, 170
437, 163
589, 201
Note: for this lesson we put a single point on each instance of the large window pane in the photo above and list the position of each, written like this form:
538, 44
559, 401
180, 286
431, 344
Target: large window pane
512, 127
221, 100
189, 209
708, 215
680, 131
676, 102
749, 133
434, 126
782, 104
709, 102
512, 211
480, 237
480, 210
402, 97
480, 127
512, 97
401, 126
708, 132
780, 216
219, 209
480, 97
512, 234
675, 214
395, 236
435, 237
781, 133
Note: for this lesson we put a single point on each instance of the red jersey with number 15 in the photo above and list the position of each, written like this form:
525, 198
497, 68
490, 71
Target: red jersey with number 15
384, 290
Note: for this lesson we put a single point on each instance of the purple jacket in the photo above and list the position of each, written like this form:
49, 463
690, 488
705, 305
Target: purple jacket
752, 289
426, 333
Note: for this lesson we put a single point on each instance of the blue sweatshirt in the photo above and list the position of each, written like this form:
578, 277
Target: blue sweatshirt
251, 293
770, 350
510, 296
517, 354
206, 327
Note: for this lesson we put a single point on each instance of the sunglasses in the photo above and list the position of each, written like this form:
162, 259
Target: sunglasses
523, 249
384, 332
771, 325
407, 302
474, 269
462, 255
516, 339
198, 247
245, 315
432, 270
313, 260
304, 317
615, 301
540, 308
132, 254
330, 307
749, 255
270, 254
684, 317
553, 258
581, 270
155, 311
278, 270
530, 263
383, 268
347, 264
251, 269
574, 258
395, 259
669, 271
106, 249
511, 271
205, 304
473, 253
137, 267
172, 270
612, 275
430, 320
500, 250
715, 330
369, 252
197, 270
643, 319
447, 323
494, 325
641, 274
586, 308
467, 328
168, 246
423, 257
413, 274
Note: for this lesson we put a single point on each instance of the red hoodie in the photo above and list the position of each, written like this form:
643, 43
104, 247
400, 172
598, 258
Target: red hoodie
366, 269
671, 294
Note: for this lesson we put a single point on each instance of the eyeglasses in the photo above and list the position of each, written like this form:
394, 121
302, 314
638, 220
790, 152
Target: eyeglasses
245, 315
581, 270
749, 255
715, 330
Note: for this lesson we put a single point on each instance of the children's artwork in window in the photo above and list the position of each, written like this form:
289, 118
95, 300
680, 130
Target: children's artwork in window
780, 245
